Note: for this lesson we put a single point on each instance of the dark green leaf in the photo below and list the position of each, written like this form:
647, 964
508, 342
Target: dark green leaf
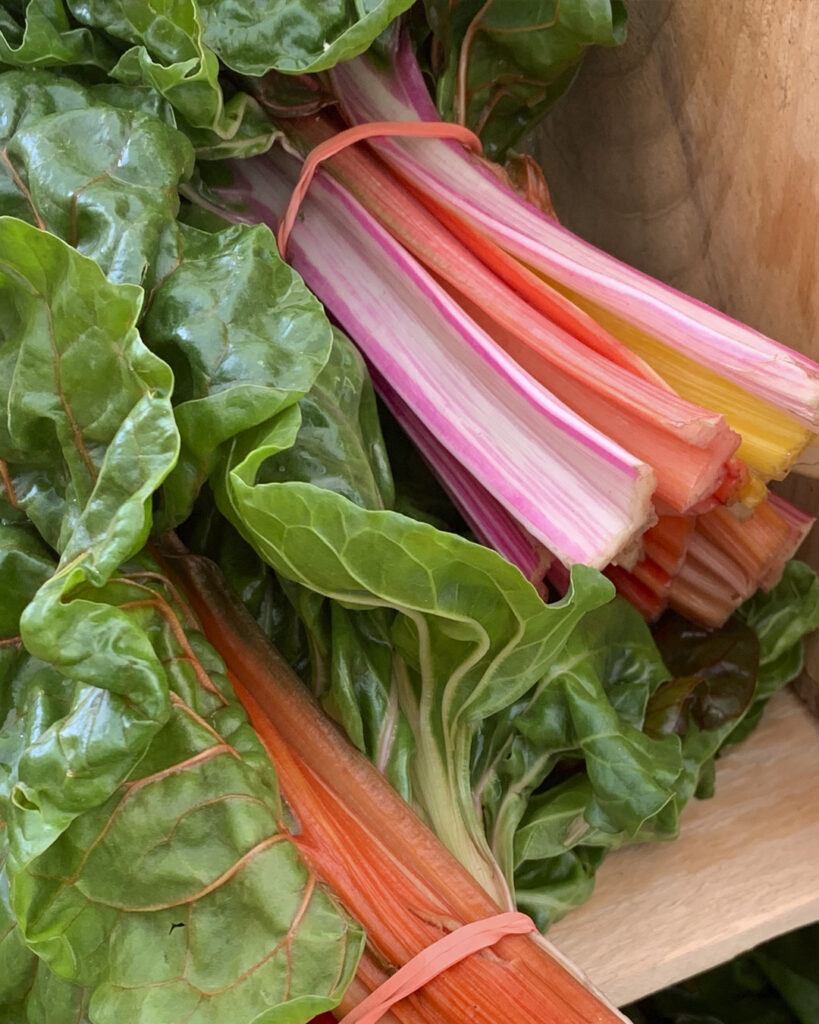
169, 55
518, 59
112, 198
90, 432
567, 765
781, 618
339, 445
244, 336
255, 36
175, 890
715, 675
45, 37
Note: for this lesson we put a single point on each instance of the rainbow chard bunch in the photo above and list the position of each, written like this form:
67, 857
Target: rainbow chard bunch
575, 409
193, 828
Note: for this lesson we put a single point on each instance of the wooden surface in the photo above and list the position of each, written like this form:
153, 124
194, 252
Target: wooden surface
692, 152
745, 868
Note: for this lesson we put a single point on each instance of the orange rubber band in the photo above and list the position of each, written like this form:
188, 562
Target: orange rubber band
328, 148
435, 959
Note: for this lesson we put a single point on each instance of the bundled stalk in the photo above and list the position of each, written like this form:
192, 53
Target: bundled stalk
363, 841
653, 423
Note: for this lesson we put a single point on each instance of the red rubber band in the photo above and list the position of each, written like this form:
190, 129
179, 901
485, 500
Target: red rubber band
435, 959
328, 148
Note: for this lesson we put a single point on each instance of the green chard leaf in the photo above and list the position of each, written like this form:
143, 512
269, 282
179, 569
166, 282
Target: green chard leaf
89, 433
244, 336
519, 58
469, 635
780, 617
169, 55
46, 37
725, 677
112, 198
568, 771
180, 892
346, 658
715, 675
87, 436
136, 898
294, 36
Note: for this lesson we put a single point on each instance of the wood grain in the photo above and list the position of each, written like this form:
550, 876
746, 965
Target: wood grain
692, 152
745, 868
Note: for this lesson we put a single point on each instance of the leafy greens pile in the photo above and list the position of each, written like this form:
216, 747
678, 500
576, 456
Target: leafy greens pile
162, 369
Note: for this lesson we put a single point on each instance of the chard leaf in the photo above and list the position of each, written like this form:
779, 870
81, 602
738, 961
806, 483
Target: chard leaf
346, 658
519, 58
470, 636
118, 718
243, 335
170, 56
111, 198
295, 36
47, 38
19, 963
88, 435
779, 620
568, 767
179, 892
52, 1000
339, 445
715, 675
781, 617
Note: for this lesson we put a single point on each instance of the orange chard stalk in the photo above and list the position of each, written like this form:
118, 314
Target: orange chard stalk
367, 845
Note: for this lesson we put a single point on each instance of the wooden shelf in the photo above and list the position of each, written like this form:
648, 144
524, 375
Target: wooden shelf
745, 868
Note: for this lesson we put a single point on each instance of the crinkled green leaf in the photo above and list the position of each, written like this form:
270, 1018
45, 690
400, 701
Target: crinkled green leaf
244, 336
255, 36
170, 56
178, 891
781, 617
118, 726
89, 429
252, 580
46, 37
53, 1000
19, 963
547, 890
339, 446
363, 693
568, 766
345, 657
88, 436
30, 993
519, 58
114, 196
